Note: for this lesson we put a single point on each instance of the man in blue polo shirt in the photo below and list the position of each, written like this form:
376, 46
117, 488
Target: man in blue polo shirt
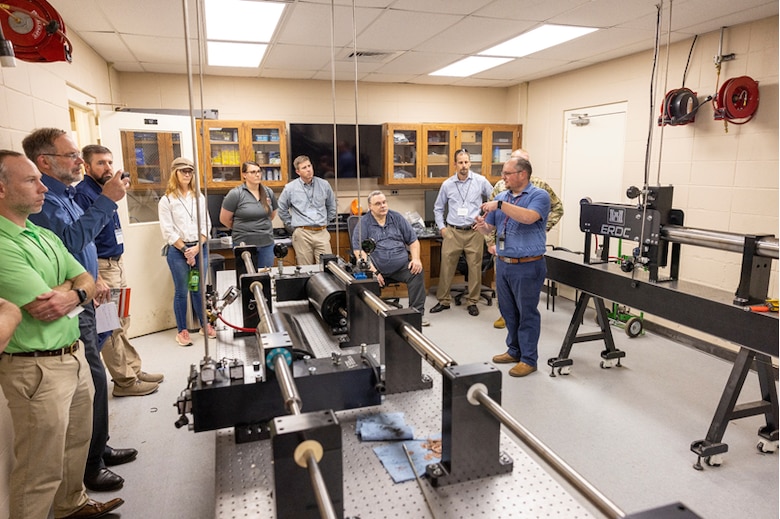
393, 235
120, 357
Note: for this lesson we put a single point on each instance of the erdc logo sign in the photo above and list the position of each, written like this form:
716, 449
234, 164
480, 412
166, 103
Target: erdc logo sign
616, 216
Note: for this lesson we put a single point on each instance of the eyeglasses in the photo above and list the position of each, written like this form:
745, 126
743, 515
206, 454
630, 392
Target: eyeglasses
71, 156
254, 172
507, 173
187, 171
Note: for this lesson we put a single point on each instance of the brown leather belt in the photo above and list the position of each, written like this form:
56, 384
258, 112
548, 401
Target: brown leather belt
67, 350
112, 258
312, 228
464, 228
519, 260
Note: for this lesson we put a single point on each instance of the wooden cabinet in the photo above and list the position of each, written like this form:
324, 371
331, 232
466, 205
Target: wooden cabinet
228, 144
343, 247
423, 154
148, 156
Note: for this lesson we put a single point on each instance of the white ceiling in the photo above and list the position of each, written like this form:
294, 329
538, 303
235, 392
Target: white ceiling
418, 36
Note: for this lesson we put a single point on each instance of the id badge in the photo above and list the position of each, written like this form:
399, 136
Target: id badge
501, 241
118, 235
463, 211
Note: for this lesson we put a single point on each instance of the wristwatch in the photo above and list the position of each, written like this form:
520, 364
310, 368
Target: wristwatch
82, 295
500, 203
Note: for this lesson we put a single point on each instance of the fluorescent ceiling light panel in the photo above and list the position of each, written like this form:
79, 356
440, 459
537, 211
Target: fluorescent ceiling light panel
224, 54
469, 66
540, 38
242, 20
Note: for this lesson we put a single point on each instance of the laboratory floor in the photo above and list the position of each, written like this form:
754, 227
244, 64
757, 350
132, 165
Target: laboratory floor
626, 429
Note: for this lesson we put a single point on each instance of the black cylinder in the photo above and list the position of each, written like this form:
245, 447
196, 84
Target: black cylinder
328, 298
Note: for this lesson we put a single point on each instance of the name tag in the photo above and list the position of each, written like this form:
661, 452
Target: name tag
463, 211
118, 235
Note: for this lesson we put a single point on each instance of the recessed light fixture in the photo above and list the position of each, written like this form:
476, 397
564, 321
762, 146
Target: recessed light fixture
243, 27
538, 39
469, 66
227, 54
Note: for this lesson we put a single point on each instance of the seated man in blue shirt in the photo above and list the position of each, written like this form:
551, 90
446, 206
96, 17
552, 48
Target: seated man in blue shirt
390, 261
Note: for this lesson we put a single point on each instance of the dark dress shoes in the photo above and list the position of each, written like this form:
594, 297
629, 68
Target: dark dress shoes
103, 481
438, 308
113, 457
473, 310
94, 509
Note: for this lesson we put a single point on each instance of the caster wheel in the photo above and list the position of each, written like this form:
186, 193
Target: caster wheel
768, 447
634, 327
714, 461
565, 370
490, 302
457, 301
606, 364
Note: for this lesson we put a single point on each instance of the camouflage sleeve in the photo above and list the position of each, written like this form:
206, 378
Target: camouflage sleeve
556, 206
490, 239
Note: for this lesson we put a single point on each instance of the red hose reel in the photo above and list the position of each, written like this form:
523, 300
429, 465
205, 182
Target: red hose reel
737, 100
36, 31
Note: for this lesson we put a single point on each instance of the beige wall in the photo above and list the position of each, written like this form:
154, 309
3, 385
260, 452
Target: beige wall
723, 181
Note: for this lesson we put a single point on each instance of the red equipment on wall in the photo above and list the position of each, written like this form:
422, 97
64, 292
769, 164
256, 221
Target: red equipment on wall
737, 100
36, 31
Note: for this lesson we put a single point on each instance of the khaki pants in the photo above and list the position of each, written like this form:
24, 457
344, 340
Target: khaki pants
309, 245
50, 399
471, 244
119, 356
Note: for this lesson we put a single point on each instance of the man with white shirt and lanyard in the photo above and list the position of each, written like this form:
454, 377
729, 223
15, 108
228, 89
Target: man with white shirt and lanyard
462, 193
519, 216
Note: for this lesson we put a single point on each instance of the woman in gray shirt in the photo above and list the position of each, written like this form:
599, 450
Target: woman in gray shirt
249, 210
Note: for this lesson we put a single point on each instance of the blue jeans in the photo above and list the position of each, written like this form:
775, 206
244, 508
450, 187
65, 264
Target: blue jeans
519, 286
180, 272
265, 256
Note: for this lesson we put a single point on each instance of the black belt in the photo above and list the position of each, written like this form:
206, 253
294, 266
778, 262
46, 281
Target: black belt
112, 258
465, 228
519, 260
67, 350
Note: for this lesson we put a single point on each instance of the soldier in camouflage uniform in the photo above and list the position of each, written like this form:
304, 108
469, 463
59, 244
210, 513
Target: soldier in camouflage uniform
556, 212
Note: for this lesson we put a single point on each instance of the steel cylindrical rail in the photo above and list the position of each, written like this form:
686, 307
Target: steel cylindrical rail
324, 503
765, 247
246, 257
265, 324
284, 376
591, 493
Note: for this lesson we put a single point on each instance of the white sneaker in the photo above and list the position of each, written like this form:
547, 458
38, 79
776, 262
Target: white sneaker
426, 322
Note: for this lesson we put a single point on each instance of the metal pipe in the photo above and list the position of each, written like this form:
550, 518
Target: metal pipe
591, 493
766, 247
246, 257
427, 349
343, 276
265, 325
284, 376
324, 502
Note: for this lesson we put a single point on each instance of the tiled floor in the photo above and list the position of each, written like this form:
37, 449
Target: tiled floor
627, 430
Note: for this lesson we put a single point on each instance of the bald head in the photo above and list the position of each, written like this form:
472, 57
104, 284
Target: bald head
520, 153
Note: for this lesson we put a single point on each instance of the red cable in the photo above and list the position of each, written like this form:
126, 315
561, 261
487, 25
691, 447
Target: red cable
239, 328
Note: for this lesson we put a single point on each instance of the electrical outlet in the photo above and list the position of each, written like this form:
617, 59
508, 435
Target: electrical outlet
394, 192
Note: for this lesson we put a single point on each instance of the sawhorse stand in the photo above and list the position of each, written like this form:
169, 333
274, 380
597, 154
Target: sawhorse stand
610, 356
711, 448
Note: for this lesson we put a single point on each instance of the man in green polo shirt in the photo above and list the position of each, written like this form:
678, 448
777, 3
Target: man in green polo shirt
43, 372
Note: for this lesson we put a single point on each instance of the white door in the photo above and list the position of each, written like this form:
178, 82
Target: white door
594, 143
148, 275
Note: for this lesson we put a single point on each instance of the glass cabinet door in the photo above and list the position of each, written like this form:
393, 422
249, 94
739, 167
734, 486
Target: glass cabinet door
147, 157
267, 152
471, 141
501, 147
225, 159
402, 158
438, 150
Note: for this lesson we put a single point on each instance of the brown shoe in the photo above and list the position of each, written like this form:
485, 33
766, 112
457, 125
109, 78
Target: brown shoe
150, 377
138, 388
95, 509
522, 369
499, 323
504, 358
